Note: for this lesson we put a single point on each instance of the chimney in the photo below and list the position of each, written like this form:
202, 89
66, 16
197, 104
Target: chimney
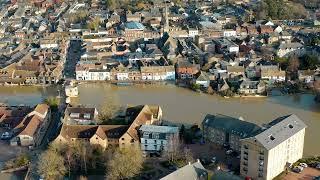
189, 163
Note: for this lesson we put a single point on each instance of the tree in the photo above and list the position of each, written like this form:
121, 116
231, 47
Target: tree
94, 24
125, 163
309, 62
108, 110
293, 67
210, 90
53, 102
174, 149
51, 165
111, 4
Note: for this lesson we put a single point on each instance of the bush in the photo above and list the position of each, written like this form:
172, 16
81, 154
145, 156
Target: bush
19, 161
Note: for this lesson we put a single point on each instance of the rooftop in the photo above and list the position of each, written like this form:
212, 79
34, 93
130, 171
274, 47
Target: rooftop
231, 125
280, 130
134, 26
159, 129
190, 171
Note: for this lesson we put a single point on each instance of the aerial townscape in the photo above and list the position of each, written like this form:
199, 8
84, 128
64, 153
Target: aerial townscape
160, 89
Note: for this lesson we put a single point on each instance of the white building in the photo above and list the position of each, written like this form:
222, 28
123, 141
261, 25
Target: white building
229, 33
98, 74
122, 76
267, 154
157, 138
158, 73
193, 32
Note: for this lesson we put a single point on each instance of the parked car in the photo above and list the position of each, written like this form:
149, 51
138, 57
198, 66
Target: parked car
318, 166
5, 136
213, 159
316, 178
228, 152
304, 165
297, 169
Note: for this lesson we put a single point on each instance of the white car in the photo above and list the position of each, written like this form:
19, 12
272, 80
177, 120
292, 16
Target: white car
229, 152
5, 135
304, 165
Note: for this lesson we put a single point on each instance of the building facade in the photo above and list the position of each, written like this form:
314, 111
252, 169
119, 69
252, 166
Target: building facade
270, 152
155, 139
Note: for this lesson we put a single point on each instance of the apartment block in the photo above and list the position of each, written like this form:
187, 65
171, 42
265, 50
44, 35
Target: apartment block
270, 152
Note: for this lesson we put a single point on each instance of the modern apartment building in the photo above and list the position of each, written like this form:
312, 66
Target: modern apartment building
267, 154
157, 138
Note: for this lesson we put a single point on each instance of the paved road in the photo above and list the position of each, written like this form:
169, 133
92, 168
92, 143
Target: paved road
73, 56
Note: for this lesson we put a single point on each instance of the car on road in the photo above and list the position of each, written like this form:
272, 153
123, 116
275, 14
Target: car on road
316, 178
5, 136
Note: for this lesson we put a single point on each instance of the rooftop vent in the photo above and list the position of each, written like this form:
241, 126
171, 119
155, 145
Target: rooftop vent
272, 138
290, 126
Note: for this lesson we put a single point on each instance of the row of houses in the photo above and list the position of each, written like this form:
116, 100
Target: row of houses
92, 72
142, 129
26, 126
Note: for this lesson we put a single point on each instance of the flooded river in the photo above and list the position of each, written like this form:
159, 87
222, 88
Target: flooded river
184, 106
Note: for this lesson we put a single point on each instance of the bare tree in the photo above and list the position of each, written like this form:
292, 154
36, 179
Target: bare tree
316, 85
125, 163
108, 110
51, 165
174, 148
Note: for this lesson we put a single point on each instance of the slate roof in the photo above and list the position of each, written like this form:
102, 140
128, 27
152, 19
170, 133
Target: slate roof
159, 129
190, 171
280, 130
231, 125
87, 131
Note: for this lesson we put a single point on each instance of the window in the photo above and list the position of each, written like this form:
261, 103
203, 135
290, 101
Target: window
122, 139
155, 141
155, 147
145, 141
246, 146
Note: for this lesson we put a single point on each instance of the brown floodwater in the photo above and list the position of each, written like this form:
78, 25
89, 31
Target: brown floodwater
184, 106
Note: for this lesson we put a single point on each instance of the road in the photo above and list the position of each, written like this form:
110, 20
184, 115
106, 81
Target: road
73, 56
